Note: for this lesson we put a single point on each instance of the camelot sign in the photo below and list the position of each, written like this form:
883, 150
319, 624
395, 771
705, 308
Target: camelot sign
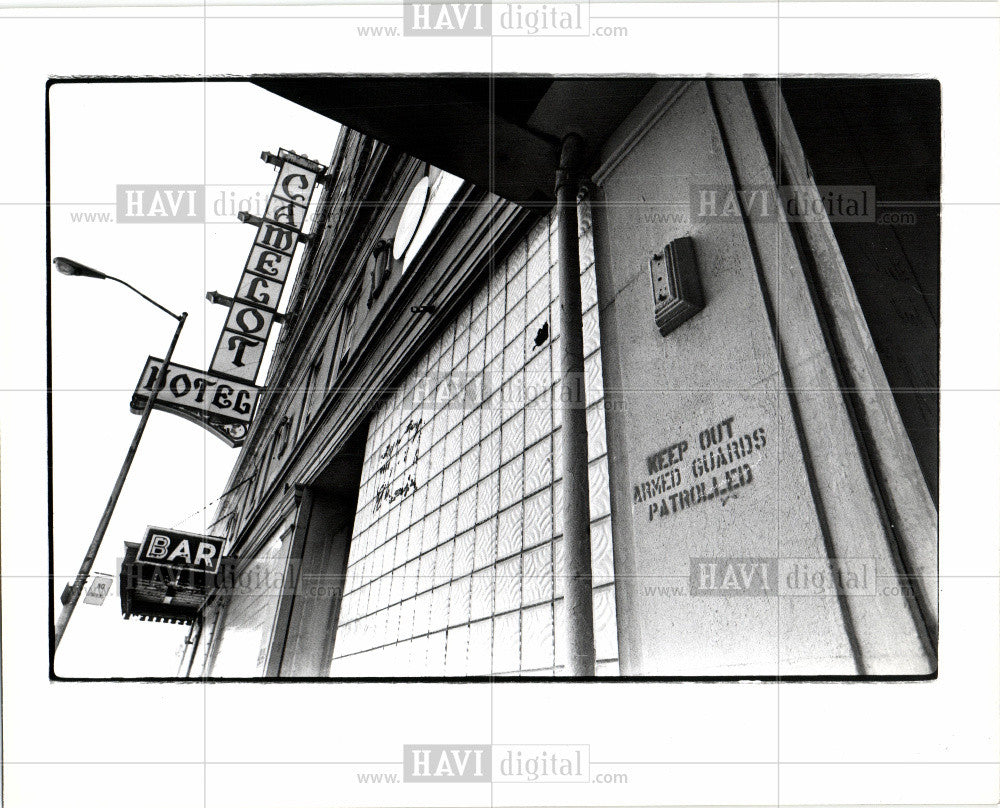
223, 400
241, 345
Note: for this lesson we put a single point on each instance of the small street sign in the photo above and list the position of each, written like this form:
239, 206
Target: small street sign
99, 589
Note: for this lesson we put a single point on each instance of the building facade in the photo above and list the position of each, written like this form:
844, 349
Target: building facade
561, 392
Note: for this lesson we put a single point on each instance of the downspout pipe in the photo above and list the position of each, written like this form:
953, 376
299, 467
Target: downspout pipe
193, 644
578, 589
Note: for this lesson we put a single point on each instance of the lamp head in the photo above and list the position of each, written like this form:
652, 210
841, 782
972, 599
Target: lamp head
67, 266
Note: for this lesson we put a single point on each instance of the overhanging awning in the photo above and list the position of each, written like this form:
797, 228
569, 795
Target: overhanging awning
502, 133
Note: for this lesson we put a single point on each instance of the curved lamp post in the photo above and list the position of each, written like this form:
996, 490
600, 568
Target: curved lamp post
70, 267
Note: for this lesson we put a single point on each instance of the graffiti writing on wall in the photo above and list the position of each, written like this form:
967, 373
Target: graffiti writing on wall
395, 476
714, 466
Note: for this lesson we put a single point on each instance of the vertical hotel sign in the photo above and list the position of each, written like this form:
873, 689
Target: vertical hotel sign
241, 345
224, 399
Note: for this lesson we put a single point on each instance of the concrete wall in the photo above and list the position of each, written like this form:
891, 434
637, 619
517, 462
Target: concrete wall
736, 471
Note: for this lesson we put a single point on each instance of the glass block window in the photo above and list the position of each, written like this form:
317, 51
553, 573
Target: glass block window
455, 563
244, 635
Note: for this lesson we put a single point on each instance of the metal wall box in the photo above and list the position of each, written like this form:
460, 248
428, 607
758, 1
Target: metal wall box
677, 293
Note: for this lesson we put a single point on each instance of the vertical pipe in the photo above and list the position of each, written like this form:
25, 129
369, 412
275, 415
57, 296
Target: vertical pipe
579, 594
200, 625
212, 645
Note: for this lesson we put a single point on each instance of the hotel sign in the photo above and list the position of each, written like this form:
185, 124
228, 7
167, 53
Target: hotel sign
223, 406
223, 399
240, 350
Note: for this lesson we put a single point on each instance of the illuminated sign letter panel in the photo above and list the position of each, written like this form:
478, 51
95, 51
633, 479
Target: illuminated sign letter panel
241, 346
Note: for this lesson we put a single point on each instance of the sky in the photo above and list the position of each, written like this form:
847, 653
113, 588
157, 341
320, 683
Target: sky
102, 136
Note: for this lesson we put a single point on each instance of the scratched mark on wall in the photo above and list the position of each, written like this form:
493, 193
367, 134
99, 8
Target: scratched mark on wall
681, 476
395, 476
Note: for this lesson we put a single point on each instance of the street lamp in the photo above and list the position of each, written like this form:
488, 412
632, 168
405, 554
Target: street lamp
69, 267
